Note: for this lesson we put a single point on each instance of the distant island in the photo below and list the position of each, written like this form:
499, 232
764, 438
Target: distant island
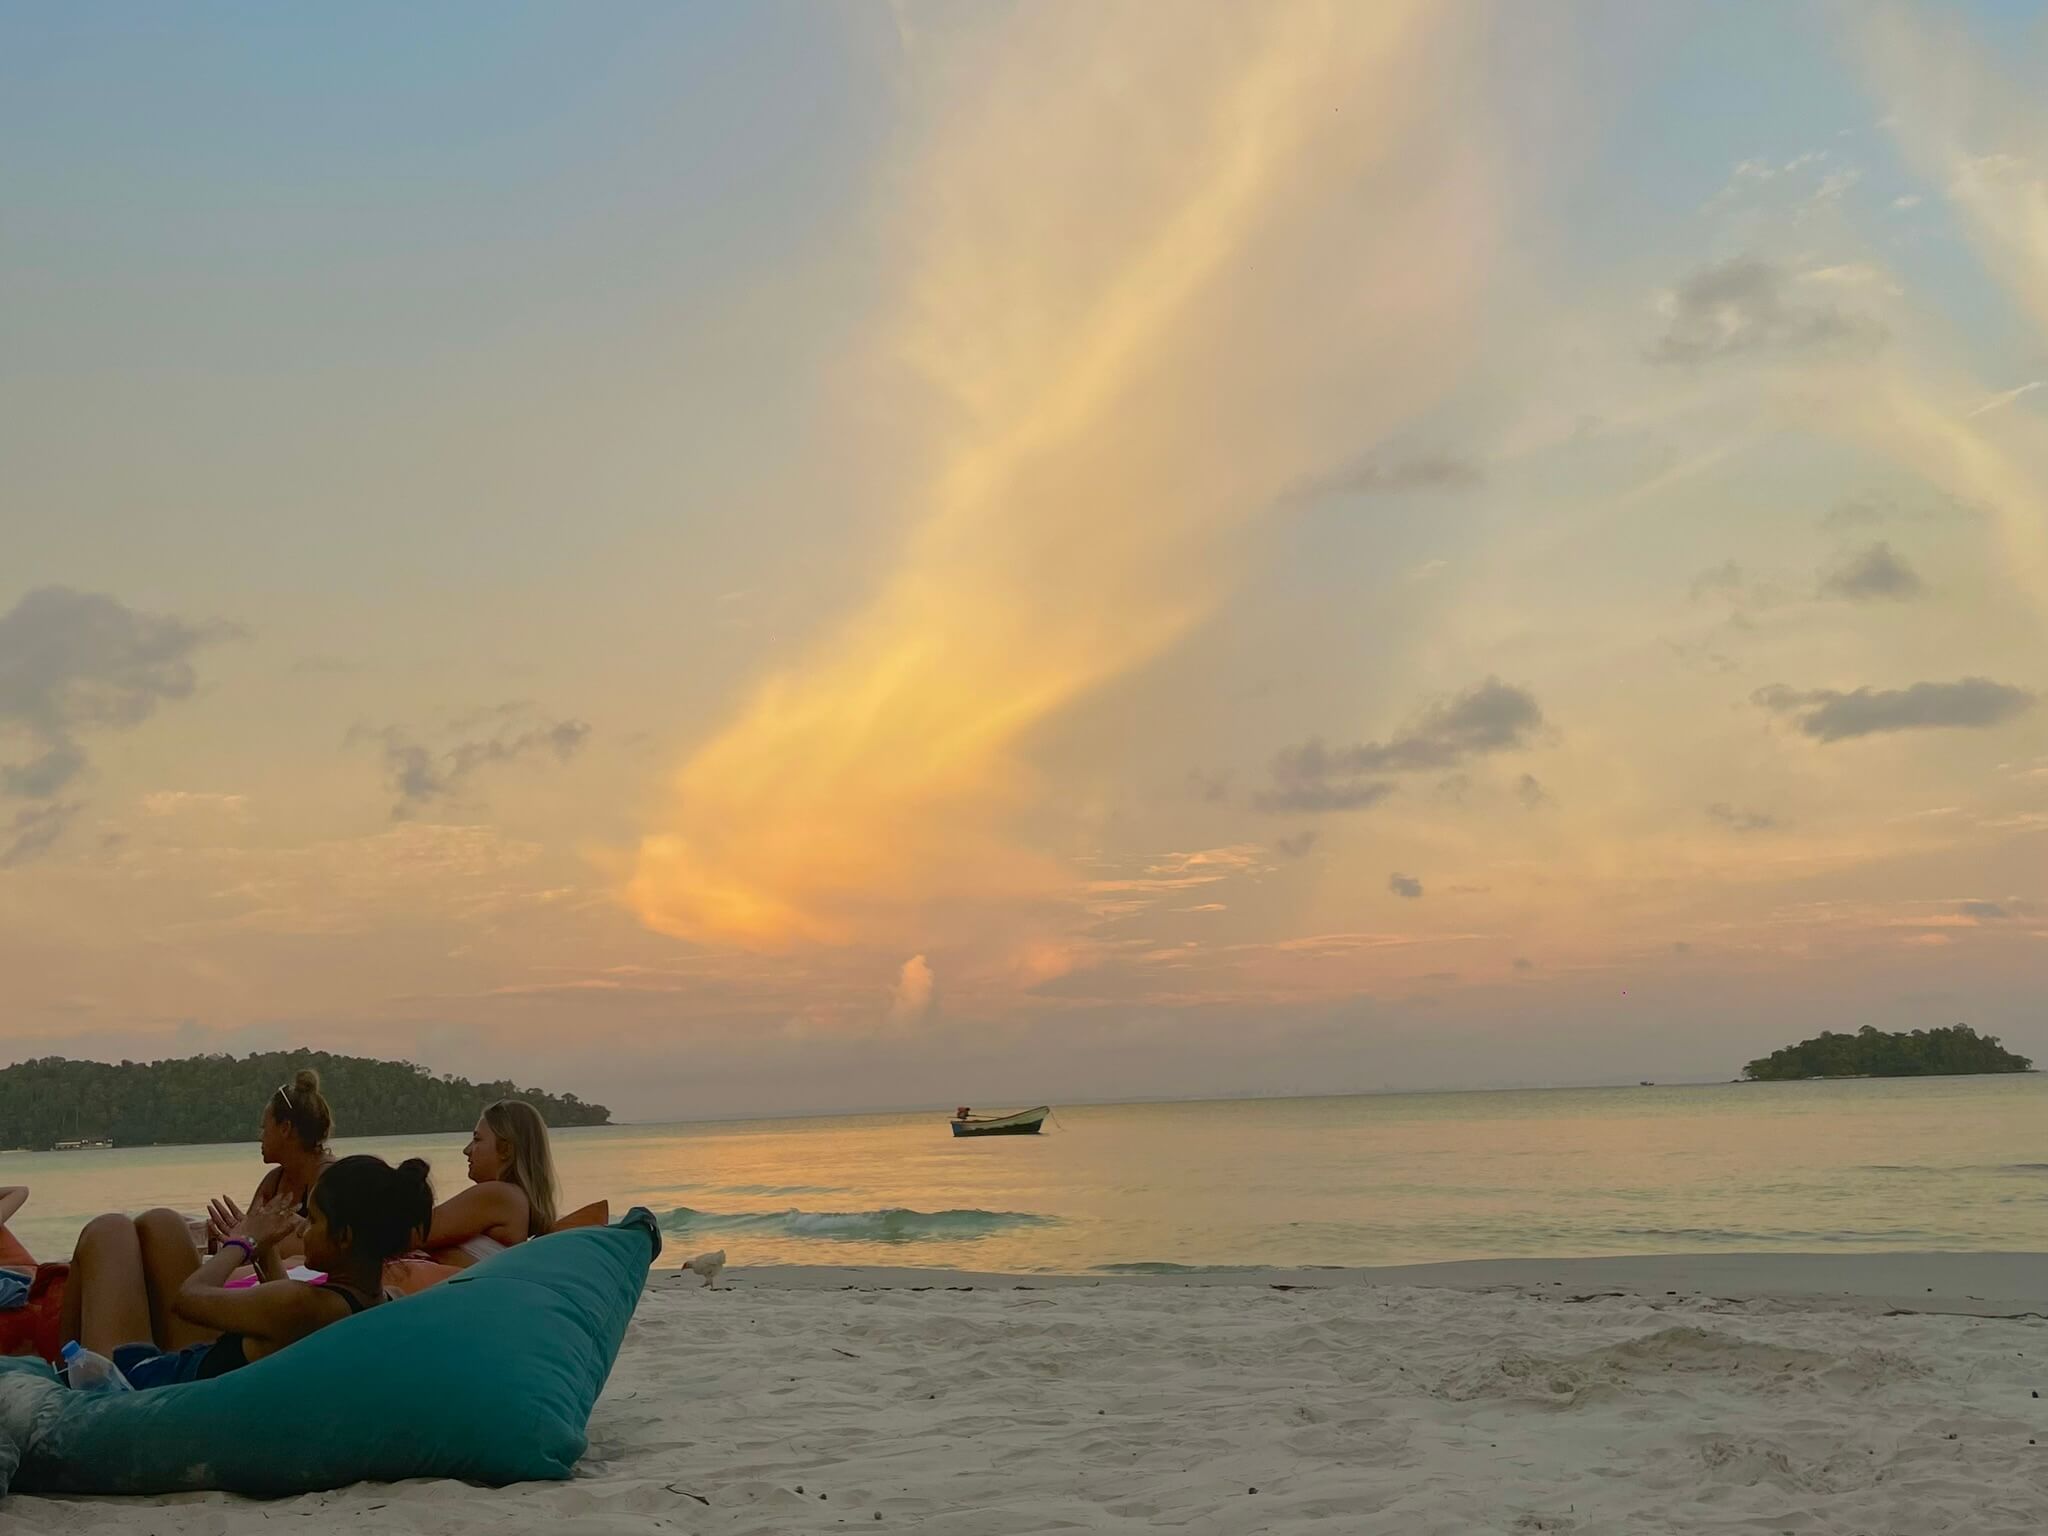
1872, 1053
221, 1098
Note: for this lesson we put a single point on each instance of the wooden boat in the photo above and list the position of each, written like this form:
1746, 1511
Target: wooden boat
1025, 1122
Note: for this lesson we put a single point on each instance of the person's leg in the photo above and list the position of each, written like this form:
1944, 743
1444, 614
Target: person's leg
106, 1300
167, 1258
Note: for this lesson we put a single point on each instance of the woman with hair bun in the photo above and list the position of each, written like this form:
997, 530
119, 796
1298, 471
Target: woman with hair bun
296, 1126
362, 1213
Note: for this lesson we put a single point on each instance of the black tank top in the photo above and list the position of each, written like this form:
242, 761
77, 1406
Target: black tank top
228, 1354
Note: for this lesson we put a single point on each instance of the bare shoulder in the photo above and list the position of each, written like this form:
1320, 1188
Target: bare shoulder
297, 1309
509, 1198
511, 1213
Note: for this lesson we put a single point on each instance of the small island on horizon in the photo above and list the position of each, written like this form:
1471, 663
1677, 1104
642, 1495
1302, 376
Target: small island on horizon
210, 1099
1955, 1051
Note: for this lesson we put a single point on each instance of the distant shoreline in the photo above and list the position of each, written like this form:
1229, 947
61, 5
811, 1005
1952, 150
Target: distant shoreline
1635, 1086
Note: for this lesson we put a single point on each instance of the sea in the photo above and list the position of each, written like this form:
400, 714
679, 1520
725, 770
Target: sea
1958, 1164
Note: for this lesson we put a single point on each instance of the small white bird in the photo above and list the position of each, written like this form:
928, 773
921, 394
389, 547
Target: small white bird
708, 1265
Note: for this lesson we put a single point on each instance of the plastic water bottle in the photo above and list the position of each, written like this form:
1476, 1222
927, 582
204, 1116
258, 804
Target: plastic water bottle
85, 1371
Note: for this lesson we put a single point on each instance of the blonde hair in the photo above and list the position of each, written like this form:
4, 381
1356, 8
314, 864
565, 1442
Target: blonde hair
299, 1105
531, 1166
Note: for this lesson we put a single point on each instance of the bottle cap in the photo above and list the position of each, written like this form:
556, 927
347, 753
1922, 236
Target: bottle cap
71, 1351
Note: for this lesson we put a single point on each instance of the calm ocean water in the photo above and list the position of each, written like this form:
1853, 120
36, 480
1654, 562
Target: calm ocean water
1946, 1163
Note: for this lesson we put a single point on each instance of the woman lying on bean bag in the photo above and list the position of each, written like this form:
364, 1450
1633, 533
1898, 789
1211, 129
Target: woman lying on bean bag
295, 1128
363, 1213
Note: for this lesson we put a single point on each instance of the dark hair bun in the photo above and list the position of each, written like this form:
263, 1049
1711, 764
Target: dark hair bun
378, 1210
302, 1107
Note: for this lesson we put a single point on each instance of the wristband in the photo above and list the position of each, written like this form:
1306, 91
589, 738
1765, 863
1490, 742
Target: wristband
248, 1248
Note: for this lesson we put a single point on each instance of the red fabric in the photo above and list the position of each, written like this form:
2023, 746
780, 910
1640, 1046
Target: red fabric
37, 1329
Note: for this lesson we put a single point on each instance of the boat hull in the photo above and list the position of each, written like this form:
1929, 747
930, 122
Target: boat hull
1023, 1123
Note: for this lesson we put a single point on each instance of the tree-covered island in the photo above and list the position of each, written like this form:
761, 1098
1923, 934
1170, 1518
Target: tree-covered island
221, 1098
1870, 1052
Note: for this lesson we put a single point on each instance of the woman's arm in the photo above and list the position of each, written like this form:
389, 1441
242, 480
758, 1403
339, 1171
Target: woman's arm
269, 1265
276, 1311
496, 1210
12, 1198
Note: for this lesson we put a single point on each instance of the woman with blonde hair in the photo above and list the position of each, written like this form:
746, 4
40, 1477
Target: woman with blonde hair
512, 1191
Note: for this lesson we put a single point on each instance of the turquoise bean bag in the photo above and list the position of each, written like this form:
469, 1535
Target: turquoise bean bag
489, 1377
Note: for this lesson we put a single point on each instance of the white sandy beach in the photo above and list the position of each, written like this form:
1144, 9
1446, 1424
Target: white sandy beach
1768, 1394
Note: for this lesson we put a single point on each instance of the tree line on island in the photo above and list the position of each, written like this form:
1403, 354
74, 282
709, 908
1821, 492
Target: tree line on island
221, 1098
1954, 1051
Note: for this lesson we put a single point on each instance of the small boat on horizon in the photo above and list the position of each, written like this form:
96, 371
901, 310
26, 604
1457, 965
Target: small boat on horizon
1022, 1122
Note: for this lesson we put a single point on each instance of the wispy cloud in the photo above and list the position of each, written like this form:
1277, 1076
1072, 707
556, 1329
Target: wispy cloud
1827, 714
1380, 475
1490, 717
1736, 819
34, 830
1746, 305
1973, 123
179, 802
1724, 580
2003, 398
1991, 911
1100, 296
424, 776
1873, 573
72, 663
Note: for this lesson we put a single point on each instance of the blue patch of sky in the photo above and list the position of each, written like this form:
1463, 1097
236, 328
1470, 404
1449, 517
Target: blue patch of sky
250, 233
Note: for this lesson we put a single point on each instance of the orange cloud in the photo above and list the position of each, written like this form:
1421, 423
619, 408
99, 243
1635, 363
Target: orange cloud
1130, 310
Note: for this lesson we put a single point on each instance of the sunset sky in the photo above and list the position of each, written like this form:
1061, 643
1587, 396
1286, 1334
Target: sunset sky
792, 557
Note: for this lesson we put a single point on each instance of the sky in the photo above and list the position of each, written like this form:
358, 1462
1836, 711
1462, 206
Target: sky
773, 559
